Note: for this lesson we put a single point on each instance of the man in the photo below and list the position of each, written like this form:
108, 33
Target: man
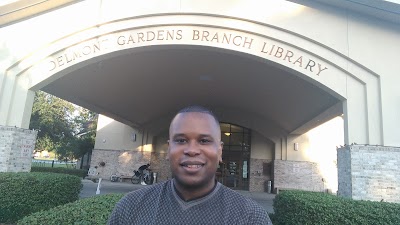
144, 167
193, 196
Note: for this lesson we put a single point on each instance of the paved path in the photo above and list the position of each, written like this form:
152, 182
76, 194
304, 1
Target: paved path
89, 189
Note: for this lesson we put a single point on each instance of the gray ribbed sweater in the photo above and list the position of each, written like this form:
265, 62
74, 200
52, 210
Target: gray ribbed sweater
160, 204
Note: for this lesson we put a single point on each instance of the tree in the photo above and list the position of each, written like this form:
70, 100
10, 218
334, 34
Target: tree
51, 116
84, 136
67, 129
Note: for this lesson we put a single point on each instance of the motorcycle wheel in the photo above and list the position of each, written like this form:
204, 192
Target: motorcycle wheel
135, 179
148, 179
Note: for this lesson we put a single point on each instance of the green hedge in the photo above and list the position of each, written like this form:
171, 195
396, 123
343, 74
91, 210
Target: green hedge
307, 208
75, 172
93, 210
24, 193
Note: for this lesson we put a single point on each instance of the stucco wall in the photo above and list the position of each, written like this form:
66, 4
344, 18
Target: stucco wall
382, 58
114, 135
261, 147
318, 144
160, 143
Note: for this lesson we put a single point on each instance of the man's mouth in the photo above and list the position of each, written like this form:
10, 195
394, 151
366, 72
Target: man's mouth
192, 166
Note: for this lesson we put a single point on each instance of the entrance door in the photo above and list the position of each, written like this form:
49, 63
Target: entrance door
233, 172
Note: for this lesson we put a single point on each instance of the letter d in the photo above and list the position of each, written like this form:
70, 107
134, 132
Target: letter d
52, 67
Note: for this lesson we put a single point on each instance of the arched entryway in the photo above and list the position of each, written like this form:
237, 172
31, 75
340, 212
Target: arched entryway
133, 39
140, 69
141, 75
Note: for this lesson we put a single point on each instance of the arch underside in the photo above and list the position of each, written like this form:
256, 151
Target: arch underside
142, 87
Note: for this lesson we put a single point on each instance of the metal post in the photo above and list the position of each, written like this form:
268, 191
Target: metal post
98, 187
154, 178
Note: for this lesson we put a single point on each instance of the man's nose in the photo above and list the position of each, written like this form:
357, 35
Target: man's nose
192, 149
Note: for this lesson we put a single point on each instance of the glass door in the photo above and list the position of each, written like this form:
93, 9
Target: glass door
233, 172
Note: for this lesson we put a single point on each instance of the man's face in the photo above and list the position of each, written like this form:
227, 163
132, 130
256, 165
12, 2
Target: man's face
195, 149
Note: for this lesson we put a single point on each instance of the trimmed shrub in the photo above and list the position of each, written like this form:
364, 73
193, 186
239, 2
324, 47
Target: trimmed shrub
75, 172
306, 208
24, 193
93, 210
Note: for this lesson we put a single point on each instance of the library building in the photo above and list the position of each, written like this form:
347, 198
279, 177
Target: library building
306, 91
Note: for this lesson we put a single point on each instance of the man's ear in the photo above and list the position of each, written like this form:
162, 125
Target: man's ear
220, 151
167, 157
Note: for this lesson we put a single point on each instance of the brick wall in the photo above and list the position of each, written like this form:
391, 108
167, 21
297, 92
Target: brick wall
123, 162
258, 174
297, 175
118, 162
373, 171
344, 172
16, 148
161, 166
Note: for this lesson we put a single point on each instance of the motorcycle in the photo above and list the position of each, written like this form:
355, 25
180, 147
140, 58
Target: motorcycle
147, 178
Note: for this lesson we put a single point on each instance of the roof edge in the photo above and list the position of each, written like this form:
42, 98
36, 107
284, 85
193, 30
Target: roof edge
379, 9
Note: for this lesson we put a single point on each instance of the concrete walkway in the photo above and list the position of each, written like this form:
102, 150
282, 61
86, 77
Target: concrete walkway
89, 189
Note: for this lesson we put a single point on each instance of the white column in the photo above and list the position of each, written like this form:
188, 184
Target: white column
16, 142
16, 101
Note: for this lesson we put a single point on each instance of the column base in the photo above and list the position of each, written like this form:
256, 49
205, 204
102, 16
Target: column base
16, 148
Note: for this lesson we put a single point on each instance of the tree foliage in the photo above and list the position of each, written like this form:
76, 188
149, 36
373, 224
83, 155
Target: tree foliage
62, 127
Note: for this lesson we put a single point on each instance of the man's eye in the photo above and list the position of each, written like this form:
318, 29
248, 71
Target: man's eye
205, 141
180, 141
